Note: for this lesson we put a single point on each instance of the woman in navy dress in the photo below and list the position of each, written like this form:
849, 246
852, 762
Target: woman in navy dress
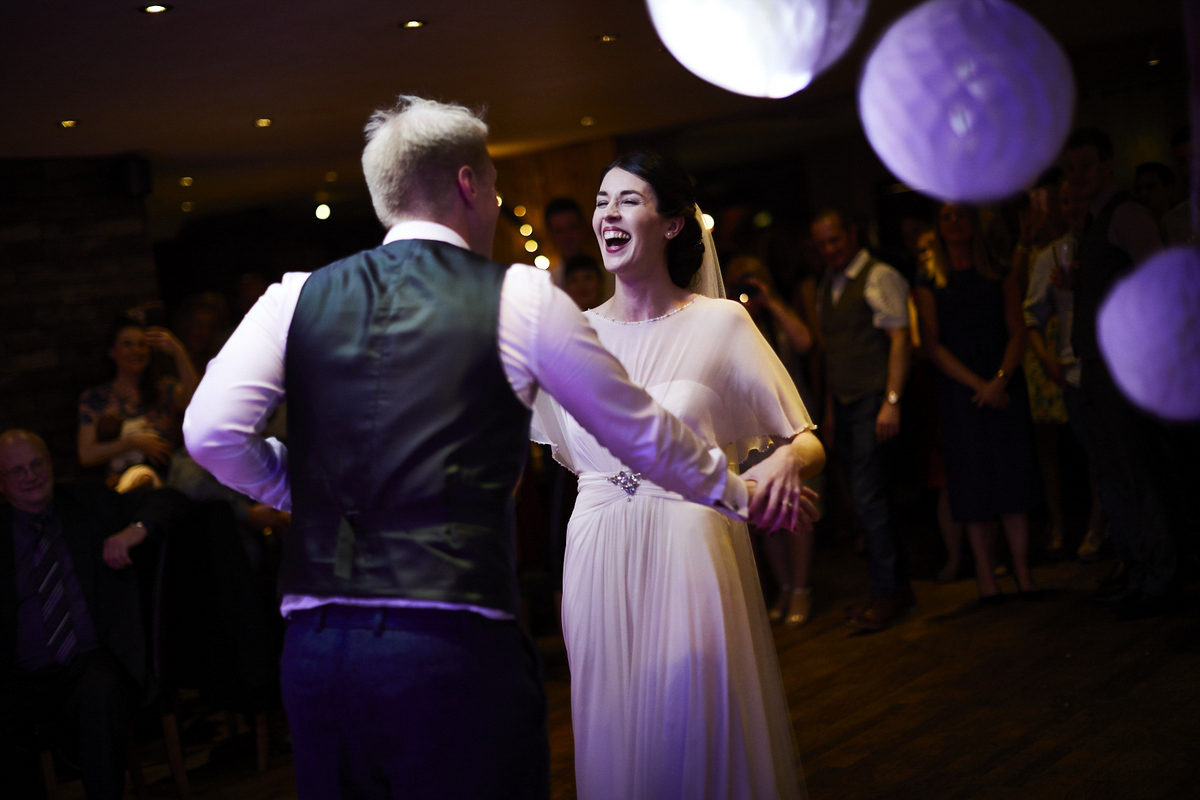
973, 330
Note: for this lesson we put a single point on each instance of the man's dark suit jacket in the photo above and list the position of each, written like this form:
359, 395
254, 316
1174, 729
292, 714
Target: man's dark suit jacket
90, 512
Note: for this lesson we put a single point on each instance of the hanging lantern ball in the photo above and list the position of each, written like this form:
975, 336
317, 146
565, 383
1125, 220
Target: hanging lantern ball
845, 19
761, 48
1149, 334
967, 100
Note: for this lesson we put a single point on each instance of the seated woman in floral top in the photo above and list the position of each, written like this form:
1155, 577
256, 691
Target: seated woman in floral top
134, 418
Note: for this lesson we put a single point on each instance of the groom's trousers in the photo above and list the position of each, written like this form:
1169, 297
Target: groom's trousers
413, 703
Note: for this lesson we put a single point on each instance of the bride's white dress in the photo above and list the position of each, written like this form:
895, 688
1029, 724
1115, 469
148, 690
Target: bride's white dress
675, 685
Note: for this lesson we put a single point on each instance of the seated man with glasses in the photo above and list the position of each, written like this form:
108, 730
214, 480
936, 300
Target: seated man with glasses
71, 639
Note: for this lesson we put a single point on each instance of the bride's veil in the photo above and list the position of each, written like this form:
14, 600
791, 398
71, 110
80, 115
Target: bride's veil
708, 280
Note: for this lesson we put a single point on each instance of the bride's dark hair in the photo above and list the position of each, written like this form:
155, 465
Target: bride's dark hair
673, 197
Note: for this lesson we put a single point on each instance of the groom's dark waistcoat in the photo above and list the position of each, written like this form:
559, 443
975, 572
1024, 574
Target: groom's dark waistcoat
405, 439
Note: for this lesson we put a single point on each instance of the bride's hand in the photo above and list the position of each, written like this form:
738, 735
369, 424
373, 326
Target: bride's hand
751, 488
780, 501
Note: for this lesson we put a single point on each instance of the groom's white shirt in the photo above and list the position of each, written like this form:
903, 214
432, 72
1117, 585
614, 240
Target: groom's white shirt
544, 343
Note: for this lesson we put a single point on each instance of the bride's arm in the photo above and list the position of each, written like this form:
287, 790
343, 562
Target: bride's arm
781, 500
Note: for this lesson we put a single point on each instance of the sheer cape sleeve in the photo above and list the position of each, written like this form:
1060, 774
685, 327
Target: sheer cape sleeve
548, 427
762, 404
708, 365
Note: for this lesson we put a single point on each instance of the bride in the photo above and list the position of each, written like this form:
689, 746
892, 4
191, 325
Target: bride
675, 686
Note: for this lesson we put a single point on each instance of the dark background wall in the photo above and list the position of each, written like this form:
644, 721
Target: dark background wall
74, 252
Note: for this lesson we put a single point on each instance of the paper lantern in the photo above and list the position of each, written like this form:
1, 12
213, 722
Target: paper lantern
967, 100
762, 48
1149, 333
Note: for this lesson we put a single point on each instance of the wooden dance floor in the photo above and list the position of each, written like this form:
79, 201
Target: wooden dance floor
1054, 699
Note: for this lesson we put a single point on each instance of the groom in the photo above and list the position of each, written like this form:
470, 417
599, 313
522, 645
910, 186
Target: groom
409, 371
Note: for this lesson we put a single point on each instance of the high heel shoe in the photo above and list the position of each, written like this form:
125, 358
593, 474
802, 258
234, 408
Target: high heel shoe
800, 607
777, 612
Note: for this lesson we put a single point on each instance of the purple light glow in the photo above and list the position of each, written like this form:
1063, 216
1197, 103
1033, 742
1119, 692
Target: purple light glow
1149, 332
967, 100
761, 48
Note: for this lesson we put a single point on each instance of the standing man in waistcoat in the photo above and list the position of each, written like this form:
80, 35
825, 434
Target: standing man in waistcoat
1132, 453
409, 371
862, 305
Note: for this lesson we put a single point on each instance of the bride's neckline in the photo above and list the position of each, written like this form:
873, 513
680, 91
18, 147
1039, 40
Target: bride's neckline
670, 313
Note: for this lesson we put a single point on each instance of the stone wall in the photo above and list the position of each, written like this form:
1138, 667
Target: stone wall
74, 253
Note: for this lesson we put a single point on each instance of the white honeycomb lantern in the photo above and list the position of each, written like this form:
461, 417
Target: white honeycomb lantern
967, 100
1149, 332
761, 48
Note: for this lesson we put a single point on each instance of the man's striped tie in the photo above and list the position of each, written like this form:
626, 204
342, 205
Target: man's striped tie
56, 611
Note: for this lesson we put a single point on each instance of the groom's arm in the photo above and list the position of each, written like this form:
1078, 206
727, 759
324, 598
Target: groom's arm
546, 343
241, 388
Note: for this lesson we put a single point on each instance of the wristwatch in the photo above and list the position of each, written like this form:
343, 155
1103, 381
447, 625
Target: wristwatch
893, 397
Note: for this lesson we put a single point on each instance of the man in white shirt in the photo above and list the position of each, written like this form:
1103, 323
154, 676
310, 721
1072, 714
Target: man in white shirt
862, 307
409, 370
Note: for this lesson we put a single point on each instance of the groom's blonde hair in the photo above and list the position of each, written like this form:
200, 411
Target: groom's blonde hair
413, 154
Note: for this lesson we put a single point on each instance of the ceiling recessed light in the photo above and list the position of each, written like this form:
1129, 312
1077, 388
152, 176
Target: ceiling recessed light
330, 176
1153, 62
186, 205
518, 211
185, 181
526, 229
541, 262
413, 23
154, 9
499, 200
530, 245
587, 122
262, 123
69, 123
609, 37
322, 211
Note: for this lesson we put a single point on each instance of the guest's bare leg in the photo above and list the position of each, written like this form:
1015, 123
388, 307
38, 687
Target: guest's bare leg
1046, 439
982, 536
1016, 530
800, 604
1096, 517
777, 548
952, 536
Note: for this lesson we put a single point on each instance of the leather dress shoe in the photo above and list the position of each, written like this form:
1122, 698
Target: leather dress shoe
880, 614
1139, 605
1117, 576
1115, 585
904, 597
